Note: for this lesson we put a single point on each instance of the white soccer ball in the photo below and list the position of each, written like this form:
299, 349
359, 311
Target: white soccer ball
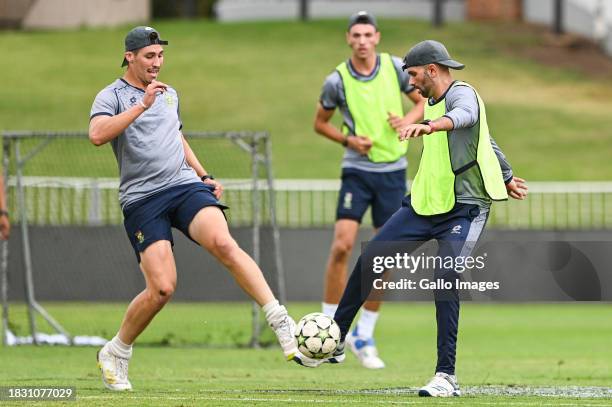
317, 335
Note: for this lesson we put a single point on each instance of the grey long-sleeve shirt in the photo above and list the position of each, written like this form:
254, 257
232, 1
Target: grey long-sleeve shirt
462, 109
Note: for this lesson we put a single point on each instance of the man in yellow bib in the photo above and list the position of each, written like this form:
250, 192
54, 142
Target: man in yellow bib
461, 172
367, 89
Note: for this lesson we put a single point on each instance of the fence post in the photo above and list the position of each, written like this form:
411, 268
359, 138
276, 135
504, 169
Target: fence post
95, 209
255, 217
27, 258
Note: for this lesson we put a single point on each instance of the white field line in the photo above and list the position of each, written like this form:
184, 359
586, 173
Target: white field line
505, 402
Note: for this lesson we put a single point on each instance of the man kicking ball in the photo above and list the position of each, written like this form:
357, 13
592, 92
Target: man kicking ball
460, 173
163, 185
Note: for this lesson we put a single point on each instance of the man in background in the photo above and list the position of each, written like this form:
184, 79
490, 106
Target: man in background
367, 88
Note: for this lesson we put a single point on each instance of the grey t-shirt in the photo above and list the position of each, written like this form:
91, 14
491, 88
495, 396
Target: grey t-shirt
333, 96
150, 152
462, 108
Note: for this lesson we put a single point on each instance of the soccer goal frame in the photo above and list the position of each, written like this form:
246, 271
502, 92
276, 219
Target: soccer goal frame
255, 144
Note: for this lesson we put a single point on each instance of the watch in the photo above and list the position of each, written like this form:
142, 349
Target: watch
207, 176
427, 122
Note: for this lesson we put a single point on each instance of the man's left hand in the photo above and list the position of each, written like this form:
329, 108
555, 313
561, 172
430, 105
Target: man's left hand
517, 188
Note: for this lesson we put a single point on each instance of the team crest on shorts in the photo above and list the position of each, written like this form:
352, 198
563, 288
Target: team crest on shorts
140, 236
348, 200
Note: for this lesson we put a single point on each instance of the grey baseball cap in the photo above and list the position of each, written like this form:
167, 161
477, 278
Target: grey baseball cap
362, 17
430, 52
140, 37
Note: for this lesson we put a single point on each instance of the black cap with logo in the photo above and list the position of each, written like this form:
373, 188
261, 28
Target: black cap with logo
362, 17
430, 52
141, 37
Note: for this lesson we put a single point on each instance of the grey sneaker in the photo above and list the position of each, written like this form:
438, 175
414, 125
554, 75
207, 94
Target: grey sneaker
441, 385
114, 370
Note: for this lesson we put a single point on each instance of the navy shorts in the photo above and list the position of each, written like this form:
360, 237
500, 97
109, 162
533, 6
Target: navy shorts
150, 219
383, 191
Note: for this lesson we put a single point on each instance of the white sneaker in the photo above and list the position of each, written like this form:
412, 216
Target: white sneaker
441, 385
365, 350
284, 328
114, 370
337, 357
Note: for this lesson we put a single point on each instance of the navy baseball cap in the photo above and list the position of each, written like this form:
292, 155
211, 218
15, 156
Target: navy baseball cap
362, 17
140, 37
430, 52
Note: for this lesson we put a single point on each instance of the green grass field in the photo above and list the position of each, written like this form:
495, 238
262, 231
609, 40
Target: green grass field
551, 123
526, 348
268, 75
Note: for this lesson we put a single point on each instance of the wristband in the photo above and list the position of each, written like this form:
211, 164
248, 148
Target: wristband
345, 142
207, 176
4, 212
145, 107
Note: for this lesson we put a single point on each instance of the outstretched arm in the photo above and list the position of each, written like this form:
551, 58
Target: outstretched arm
419, 129
414, 115
462, 113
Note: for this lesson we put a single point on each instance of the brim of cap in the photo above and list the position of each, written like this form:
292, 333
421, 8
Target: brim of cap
124, 63
362, 22
451, 64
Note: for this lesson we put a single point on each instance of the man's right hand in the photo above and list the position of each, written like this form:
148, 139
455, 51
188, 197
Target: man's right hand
361, 144
151, 92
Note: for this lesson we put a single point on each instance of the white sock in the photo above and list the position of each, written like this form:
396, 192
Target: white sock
273, 310
118, 348
367, 323
329, 309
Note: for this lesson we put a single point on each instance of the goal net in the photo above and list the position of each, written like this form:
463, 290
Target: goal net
69, 271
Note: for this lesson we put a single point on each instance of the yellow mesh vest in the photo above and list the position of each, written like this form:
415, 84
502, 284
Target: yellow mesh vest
433, 189
369, 103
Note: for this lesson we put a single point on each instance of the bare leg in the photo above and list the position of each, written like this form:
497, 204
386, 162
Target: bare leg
209, 229
345, 233
157, 265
